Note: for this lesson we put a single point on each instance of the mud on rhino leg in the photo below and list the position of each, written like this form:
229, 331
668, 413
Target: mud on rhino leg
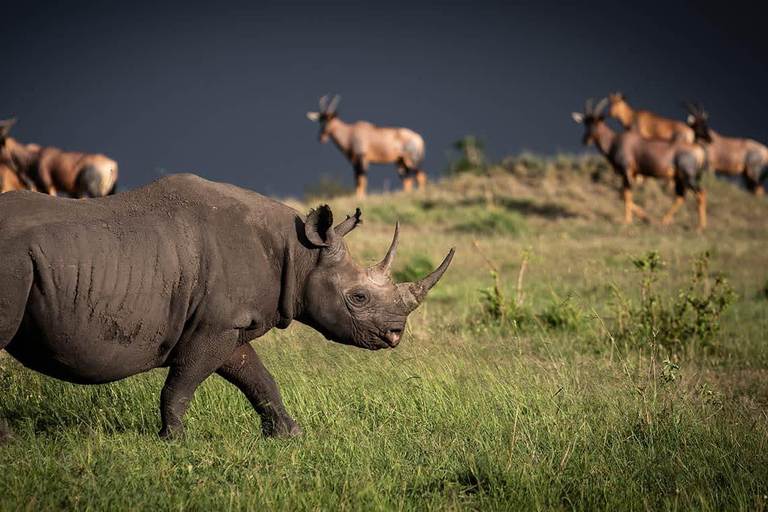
15, 282
197, 359
245, 370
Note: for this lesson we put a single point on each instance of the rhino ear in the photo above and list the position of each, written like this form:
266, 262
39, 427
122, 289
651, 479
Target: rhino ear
349, 224
319, 226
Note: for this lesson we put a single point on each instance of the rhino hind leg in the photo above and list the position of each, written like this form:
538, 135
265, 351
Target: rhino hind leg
245, 370
196, 359
15, 283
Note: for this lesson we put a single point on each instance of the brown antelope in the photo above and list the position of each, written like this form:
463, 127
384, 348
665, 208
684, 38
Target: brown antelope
52, 170
631, 155
363, 143
646, 123
727, 155
77, 174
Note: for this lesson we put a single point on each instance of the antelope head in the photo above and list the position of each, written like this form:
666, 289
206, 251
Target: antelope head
697, 119
327, 113
591, 119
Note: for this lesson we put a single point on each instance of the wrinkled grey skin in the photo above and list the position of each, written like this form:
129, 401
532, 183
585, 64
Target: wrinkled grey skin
182, 274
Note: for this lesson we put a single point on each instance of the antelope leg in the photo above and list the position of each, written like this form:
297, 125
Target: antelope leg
675, 206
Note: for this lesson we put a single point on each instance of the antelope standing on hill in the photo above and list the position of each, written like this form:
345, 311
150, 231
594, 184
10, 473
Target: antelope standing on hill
729, 155
631, 155
53, 170
646, 123
363, 143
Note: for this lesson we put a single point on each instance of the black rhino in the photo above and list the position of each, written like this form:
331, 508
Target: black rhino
183, 273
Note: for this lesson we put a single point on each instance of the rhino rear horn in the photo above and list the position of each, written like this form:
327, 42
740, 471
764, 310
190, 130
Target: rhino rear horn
413, 293
384, 267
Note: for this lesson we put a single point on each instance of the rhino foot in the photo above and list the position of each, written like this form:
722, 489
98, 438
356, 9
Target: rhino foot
172, 434
281, 429
6, 434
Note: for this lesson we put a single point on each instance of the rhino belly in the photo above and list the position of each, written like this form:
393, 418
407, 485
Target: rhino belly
86, 352
92, 324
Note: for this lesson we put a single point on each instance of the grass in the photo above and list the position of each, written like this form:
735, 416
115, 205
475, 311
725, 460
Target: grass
469, 412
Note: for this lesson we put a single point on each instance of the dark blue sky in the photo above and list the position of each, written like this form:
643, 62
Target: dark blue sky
221, 90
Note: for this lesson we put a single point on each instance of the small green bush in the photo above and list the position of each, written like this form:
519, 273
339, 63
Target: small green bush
563, 314
468, 156
686, 321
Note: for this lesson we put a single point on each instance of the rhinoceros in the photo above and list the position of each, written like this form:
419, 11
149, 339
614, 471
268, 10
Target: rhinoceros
182, 274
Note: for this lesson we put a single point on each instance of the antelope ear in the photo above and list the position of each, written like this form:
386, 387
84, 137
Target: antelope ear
690, 119
313, 116
579, 118
319, 226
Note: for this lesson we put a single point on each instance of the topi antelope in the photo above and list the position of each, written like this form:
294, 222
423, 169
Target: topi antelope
53, 170
77, 174
646, 123
631, 155
728, 155
47, 169
363, 143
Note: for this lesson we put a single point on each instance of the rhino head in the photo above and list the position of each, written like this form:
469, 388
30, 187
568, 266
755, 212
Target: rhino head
353, 305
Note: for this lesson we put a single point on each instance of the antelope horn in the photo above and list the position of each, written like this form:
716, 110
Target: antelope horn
384, 268
5, 126
703, 112
588, 106
600, 106
413, 294
322, 103
334, 104
690, 107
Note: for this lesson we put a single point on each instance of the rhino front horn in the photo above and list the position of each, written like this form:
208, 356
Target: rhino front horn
413, 293
384, 268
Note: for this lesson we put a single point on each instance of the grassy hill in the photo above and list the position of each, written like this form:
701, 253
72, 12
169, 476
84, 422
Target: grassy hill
624, 368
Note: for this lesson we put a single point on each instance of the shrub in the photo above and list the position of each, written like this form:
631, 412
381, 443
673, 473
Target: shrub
688, 320
563, 314
470, 158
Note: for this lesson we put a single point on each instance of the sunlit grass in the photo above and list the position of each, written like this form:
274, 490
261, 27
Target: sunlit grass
466, 413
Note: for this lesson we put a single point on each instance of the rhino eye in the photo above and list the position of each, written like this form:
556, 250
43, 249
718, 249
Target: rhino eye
358, 297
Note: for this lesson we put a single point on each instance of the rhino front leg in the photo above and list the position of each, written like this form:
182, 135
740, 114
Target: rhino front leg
199, 357
245, 370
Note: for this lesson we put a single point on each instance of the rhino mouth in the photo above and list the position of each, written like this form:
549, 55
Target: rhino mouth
392, 337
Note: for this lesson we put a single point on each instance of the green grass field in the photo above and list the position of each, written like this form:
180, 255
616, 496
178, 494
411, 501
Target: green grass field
575, 398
